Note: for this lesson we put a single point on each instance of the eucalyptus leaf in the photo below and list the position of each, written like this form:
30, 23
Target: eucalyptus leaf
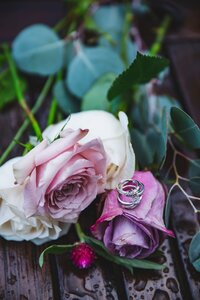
90, 64
168, 208
37, 49
194, 168
7, 89
194, 184
96, 97
157, 143
140, 8
194, 251
157, 139
143, 152
110, 18
159, 103
69, 52
194, 176
185, 128
150, 146
54, 249
65, 100
142, 70
132, 50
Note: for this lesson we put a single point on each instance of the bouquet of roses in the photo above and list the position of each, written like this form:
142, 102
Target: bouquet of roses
92, 155
44, 192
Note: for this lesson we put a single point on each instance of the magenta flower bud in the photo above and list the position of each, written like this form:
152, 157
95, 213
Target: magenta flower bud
82, 256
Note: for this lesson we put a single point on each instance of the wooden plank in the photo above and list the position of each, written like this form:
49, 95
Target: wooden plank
20, 275
148, 284
95, 283
186, 223
98, 282
16, 15
186, 70
10, 120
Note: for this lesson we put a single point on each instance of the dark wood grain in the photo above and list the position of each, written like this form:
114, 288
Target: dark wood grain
20, 274
11, 119
185, 62
95, 283
16, 15
186, 223
147, 284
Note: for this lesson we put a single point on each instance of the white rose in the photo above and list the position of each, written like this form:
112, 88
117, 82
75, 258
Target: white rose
114, 135
13, 223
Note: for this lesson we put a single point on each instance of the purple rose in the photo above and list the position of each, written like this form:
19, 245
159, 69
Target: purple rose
138, 232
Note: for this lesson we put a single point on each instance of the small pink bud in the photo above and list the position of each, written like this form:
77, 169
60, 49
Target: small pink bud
82, 256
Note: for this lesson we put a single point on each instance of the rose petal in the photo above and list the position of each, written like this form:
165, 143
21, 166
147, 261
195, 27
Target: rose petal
60, 145
26, 164
7, 179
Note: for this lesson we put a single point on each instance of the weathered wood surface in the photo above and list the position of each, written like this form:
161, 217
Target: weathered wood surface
20, 275
184, 55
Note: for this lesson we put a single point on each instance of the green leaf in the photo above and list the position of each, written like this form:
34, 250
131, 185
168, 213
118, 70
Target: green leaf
101, 250
88, 66
141, 71
96, 97
194, 251
168, 208
185, 128
2, 59
65, 100
194, 184
110, 18
150, 147
194, 176
54, 249
132, 50
38, 50
7, 89
144, 154
157, 145
112, 29
194, 168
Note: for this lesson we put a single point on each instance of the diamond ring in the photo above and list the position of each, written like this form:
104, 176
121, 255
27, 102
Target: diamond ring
132, 191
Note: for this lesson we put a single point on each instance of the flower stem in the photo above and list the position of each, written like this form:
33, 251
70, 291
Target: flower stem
19, 93
23, 127
162, 30
52, 112
79, 232
54, 103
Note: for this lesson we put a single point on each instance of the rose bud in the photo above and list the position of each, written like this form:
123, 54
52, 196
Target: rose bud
137, 232
82, 256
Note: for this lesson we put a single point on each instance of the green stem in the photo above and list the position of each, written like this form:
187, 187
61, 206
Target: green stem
162, 30
19, 93
23, 127
125, 35
52, 112
54, 103
79, 232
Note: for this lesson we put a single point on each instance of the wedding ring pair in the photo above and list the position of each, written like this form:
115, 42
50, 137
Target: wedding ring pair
132, 190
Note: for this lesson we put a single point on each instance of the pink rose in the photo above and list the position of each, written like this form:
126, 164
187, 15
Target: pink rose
63, 177
138, 232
